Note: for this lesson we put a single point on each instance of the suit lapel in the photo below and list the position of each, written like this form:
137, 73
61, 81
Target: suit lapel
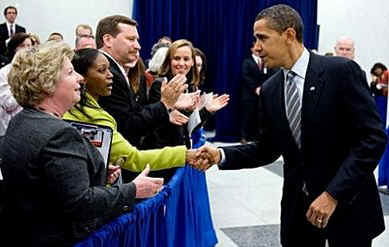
313, 86
4, 30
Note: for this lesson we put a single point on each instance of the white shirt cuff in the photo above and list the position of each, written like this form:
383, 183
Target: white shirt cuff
223, 156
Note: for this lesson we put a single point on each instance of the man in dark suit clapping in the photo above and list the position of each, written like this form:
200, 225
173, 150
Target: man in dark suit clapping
9, 28
319, 116
117, 38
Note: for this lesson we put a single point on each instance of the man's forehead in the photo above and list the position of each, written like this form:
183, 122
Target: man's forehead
261, 26
123, 27
346, 43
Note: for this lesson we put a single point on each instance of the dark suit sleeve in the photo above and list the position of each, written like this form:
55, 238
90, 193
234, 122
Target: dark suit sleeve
155, 91
249, 79
368, 141
262, 152
66, 168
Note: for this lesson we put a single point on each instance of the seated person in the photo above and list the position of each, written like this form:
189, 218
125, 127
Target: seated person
94, 67
55, 180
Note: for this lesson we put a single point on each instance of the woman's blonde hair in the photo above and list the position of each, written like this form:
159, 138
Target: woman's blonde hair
36, 71
165, 69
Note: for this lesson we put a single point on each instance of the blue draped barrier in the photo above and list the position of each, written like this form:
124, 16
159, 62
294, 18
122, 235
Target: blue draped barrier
383, 166
177, 216
381, 103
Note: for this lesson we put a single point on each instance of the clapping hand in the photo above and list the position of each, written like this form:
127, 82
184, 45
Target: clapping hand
188, 101
172, 90
177, 118
147, 186
217, 102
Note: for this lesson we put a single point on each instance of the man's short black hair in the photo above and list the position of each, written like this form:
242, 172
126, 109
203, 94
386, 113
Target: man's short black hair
281, 17
10, 7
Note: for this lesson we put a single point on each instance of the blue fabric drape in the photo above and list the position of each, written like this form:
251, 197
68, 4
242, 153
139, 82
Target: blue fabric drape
177, 216
381, 103
223, 30
383, 166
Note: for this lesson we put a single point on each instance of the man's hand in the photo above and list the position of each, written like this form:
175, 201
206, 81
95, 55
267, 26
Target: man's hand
188, 101
146, 186
206, 156
177, 118
321, 210
217, 102
258, 90
172, 90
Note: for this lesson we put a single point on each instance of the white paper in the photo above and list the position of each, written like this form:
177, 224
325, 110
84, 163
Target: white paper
194, 121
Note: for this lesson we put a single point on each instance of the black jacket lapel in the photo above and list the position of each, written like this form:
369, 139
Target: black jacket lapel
313, 86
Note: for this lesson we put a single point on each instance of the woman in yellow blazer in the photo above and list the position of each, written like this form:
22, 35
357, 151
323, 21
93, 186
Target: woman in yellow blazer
94, 67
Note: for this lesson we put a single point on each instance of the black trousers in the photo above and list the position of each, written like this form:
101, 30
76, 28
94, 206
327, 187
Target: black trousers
304, 234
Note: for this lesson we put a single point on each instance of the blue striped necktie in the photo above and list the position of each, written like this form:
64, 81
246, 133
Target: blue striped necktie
293, 107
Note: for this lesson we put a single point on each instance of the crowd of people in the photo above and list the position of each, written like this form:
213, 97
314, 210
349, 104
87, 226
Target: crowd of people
57, 183
59, 186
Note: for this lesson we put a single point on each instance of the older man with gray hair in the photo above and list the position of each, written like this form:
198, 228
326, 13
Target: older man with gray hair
345, 47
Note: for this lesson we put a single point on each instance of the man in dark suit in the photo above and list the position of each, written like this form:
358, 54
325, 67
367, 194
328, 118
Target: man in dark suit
254, 74
117, 37
9, 28
319, 116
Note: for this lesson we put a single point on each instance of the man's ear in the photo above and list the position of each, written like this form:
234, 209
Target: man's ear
107, 40
290, 35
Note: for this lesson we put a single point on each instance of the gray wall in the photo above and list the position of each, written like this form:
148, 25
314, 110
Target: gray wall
367, 22
46, 16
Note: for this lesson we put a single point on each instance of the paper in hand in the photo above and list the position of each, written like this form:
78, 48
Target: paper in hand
194, 121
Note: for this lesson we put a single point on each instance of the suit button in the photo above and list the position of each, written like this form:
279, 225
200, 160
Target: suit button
126, 208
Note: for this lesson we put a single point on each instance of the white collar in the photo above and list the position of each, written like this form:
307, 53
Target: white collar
300, 67
9, 24
256, 58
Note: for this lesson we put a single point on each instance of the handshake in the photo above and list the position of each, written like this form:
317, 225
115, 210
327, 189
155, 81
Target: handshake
204, 157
